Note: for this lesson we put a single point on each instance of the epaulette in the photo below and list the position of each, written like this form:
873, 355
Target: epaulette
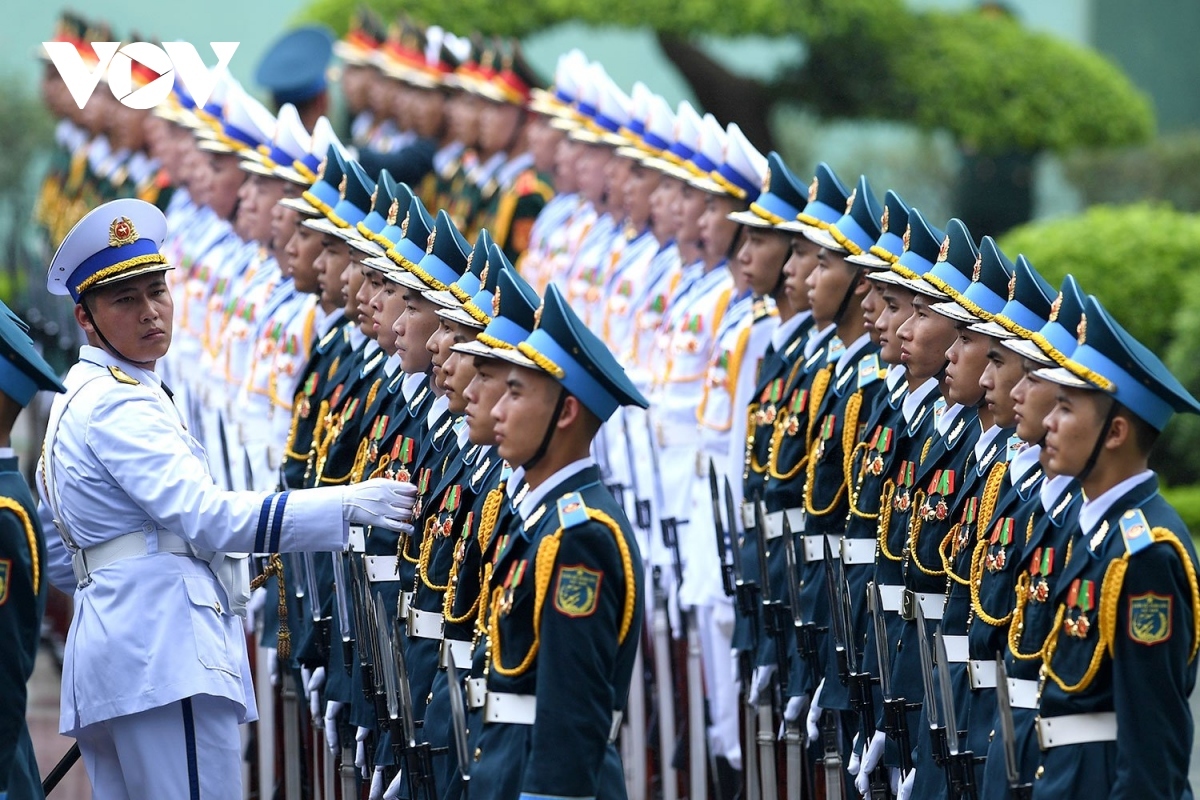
571, 511
1135, 530
122, 376
869, 371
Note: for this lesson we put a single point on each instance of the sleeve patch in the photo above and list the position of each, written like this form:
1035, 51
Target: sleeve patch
571, 511
1136, 531
577, 590
1150, 618
5, 571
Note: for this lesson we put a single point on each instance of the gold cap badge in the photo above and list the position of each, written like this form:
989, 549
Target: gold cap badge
1055, 306
1012, 286
1082, 330
907, 237
432, 239
393, 212
977, 268
883, 221
342, 188
496, 303
812, 190
121, 232
944, 250
850, 199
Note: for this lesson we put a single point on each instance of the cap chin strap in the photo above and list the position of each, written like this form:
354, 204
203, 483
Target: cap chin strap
1099, 445
104, 339
845, 304
549, 434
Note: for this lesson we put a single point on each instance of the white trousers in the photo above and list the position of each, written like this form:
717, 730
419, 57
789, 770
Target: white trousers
187, 750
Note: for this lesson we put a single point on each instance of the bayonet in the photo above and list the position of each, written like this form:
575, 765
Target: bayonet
960, 763
320, 624
458, 717
895, 709
1008, 736
343, 610
838, 628
417, 757
719, 531
735, 549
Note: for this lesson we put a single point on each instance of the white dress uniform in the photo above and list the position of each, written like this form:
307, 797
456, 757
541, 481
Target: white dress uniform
155, 676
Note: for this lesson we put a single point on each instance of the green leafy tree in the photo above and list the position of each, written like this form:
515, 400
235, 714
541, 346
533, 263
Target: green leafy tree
1139, 260
978, 74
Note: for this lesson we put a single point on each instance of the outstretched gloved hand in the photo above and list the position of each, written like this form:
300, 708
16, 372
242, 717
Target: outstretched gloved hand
382, 502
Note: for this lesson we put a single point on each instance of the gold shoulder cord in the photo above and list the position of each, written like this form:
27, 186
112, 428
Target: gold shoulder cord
274, 566
543, 568
8, 504
987, 507
945, 549
426, 552
487, 522
915, 524
1110, 596
885, 518
291, 437
751, 461
857, 481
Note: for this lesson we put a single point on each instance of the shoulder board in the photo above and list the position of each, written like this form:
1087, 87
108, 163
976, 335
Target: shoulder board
1135, 530
868, 370
122, 376
571, 511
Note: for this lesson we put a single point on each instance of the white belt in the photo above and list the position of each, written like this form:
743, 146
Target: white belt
425, 624
511, 709
402, 603
958, 651
858, 551
1022, 693
891, 596
357, 541
814, 550
796, 516
457, 649
476, 692
1076, 729
983, 674
87, 560
932, 605
381, 568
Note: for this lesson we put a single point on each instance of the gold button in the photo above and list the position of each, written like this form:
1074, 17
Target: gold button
478, 753
217, 605
1040, 770
429, 699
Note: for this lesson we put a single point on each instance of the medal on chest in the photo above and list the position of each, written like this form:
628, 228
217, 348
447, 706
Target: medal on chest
795, 411
516, 574
997, 557
1081, 599
903, 499
970, 511
1040, 568
828, 427
881, 443
401, 457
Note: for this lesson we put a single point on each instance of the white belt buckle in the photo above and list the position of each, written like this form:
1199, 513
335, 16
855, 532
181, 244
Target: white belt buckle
403, 602
512, 709
1023, 693
857, 551
748, 522
814, 547
957, 650
1076, 729
892, 597
381, 568
425, 624
476, 692
357, 540
983, 674
458, 650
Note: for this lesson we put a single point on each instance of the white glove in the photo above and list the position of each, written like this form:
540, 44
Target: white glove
312, 685
906, 785
792, 713
855, 757
872, 753
894, 779
735, 672
360, 752
273, 665
814, 714
376, 785
760, 683
723, 617
393, 790
380, 501
331, 729
258, 599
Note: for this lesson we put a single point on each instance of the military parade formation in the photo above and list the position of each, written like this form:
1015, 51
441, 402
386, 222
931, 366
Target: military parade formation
557, 443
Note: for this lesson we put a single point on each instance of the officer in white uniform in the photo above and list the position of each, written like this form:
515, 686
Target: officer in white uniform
156, 679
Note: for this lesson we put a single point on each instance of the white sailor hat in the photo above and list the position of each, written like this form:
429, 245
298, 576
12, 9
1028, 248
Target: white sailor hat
113, 242
290, 143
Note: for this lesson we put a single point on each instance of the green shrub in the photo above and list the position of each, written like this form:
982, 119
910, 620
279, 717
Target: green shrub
1186, 500
1167, 168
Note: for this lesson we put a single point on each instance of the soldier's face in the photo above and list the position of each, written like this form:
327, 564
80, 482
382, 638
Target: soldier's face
968, 358
687, 207
438, 346
301, 255
616, 173
872, 306
356, 83
566, 152
458, 369
798, 270
924, 339
760, 258
664, 209
1072, 428
828, 285
462, 117
386, 306
283, 223
224, 180
717, 231
371, 285
427, 107
498, 124
135, 315
523, 413
482, 393
1033, 400
331, 267
897, 308
590, 169
543, 143
416, 323
639, 186
1003, 372
357, 310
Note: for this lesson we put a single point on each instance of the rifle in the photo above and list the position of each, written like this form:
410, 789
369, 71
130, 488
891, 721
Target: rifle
795, 733
895, 716
723, 544
342, 607
226, 462
775, 621
320, 623
937, 731
458, 719
1008, 736
746, 598
417, 757
961, 763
